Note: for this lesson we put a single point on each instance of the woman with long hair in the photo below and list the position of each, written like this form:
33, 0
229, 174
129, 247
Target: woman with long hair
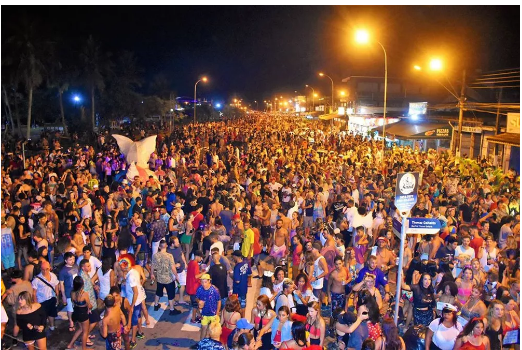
495, 320
448, 294
474, 307
423, 299
109, 247
81, 309
106, 276
472, 336
465, 284
315, 324
302, 294
31, 319
279, 274
512, 321
389, 339
261, 315
246, 341
280, 327
442, 332
299, 339
230, 314
267, 286
479, 275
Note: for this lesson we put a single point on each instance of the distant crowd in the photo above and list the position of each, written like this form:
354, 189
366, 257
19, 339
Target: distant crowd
307, 209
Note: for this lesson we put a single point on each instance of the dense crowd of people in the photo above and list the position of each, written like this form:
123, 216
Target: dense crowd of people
306, 209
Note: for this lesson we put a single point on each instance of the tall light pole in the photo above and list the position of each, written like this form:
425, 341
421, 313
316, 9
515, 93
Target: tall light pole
257, 105
313, 96
436, 65
204, 79
324, 75
363, 37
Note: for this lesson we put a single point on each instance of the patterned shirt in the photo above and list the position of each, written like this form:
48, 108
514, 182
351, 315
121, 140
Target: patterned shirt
210, 297
89, 288
160, 230
162, 263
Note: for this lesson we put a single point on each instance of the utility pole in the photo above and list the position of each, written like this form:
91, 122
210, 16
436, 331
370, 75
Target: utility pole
462, 100
497, 126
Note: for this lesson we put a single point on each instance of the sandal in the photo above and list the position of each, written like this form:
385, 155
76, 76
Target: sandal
92, 336
89, 343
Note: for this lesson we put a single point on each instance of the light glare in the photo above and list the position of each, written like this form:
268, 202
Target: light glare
436, 64
362, 36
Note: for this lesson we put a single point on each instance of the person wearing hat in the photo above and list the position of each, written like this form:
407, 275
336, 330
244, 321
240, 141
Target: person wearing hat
385, 257
443, 332
209, 302
242, 327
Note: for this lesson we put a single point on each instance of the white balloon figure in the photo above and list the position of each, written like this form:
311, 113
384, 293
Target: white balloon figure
137, 154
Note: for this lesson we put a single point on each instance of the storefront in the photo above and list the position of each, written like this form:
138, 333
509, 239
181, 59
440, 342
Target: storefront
509, 143
424, 135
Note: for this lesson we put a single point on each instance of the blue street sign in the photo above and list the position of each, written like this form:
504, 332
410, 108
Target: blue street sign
423, 225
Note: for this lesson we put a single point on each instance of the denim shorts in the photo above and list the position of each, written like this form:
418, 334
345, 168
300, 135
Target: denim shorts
136, 314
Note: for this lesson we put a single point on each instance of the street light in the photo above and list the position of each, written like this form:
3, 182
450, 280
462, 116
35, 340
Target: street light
324, 75
363, 37
204, 79
437, 65
257, 105
313, 96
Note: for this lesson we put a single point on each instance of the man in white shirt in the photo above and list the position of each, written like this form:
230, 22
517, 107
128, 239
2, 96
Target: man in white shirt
464, 253
134, 292
94, 261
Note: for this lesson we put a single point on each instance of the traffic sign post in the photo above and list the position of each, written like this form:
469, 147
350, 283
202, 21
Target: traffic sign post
405, 199
425, 226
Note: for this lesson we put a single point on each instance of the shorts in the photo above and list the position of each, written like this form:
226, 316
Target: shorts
242, 301
317, 292
182, 277
308, 221
194, 301
94, 316
69, 307
338, 301
171, 290
266, 232
50, 307
8, 260
145, 257
206, 320
136, 315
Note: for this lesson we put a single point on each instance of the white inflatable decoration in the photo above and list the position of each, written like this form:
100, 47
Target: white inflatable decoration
137, 154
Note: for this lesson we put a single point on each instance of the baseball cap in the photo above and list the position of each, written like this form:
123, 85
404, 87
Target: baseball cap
205, 276
242, 323
177, 205
235, 217
237, 253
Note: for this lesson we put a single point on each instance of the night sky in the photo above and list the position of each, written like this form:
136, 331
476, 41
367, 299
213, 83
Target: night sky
255, 52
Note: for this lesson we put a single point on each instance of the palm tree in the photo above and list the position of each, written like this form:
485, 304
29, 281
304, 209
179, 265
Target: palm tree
26, 50
60, 77
96, 64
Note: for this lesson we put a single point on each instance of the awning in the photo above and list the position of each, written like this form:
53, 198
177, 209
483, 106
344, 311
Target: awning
508, 138
417, 131
330, 116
